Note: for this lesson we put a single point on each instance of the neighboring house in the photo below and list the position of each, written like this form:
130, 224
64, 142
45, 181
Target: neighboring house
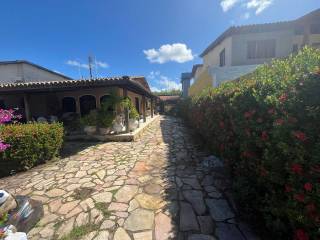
24, 71
239, 50
43, 93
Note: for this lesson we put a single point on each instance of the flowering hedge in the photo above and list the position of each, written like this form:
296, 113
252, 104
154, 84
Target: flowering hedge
266, 128
29, 145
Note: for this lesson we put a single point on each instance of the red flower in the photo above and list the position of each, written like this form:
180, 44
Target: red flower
308, 187
263, 172
271, 111
279, 122
248, 132
296, 168
287, 188
300, 234
247, 115
299, 197
248, 154
283, 97
221, 147
300, 135
311, 207
264, 136
221, 124
259, 120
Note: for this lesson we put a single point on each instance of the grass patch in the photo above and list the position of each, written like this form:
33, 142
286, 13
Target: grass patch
103, 207
81, 231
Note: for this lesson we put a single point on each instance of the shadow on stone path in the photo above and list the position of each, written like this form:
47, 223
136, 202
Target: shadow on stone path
156, 188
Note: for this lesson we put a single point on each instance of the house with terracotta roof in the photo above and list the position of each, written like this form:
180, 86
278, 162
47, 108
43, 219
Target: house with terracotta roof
241, 49
39, 92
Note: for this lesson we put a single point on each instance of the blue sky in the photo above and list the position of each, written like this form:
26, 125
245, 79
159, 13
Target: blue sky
158, 39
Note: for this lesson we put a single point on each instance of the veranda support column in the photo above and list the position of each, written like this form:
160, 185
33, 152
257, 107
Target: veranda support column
152, 109
126, 111
27, 107
144, 108
78, 110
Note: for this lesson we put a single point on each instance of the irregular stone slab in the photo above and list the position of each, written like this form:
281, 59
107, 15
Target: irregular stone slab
196, 199
202, 237
89, 236
219, 209
225, 231
103, 235
193, 182
207, 181
206, 224
163, 227
66, 227
55, 192
107, 224
121, 234
105, 197
152, 188
143, 236
121, 207
139, 219
82, 219
133, 205
101, 174
126, 193
149, 201
188, 220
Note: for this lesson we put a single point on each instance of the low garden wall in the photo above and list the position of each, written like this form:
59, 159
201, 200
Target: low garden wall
29, 145
266, 128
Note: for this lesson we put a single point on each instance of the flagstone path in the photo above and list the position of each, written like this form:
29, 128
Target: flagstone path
159, 187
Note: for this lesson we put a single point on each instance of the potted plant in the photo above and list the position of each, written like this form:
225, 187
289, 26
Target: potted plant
89, 123
133, 118
133, 113
105, 122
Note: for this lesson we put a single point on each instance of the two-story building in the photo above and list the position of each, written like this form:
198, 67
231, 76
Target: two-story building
239, 50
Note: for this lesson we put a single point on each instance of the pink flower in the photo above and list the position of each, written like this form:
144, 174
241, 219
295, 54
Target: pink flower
300, 234
279, 122
300, 135
3, 146
287, 188
296, 168
308, 187
299, 197
264, 136
283, 97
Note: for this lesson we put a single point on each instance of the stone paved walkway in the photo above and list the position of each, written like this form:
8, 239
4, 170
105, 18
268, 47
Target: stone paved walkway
156, 188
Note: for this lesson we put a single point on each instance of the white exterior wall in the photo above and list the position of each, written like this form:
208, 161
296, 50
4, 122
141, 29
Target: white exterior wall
212, 58
23, 72
284, 44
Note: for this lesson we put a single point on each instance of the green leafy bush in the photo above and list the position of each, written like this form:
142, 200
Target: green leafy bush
266, 128
30, 144
90, 119
127, 103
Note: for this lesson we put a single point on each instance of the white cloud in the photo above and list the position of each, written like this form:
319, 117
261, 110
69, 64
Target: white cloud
96, 64
77, 64
102, 64
177, 52
163, 82
246, 15
228, 4
259, 5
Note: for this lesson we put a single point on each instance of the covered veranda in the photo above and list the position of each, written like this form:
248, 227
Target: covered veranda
54, 98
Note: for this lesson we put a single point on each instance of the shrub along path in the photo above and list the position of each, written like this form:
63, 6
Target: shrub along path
156, 188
